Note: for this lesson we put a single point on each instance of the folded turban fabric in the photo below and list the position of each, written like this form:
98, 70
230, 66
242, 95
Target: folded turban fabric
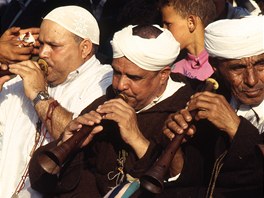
235, 38
150, 54
77, 20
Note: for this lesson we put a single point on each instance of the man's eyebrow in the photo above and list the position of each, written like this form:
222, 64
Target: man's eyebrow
237, 65
166, 22
133, 76
260, 60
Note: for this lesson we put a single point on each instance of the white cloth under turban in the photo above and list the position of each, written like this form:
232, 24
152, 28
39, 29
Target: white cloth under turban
77, 20
235, 38
150, 54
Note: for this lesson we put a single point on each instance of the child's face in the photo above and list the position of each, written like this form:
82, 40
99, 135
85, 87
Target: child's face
176, 24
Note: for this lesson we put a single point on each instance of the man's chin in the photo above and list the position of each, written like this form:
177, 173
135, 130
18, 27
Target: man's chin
251, 101
51, 83
131, 104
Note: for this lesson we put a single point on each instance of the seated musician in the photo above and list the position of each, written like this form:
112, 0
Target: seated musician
122, 145
223, 158
36, 107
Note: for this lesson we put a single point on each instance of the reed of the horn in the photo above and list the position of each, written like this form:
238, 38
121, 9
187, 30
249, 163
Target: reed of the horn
153, 179
52, 160
43, 66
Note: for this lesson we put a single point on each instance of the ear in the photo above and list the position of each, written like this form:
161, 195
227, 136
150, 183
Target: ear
86, 48
192, 22
165, 73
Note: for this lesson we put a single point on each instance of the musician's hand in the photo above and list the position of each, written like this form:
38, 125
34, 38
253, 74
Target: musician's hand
33, 78
177, 123
76, 124
124, 115
217, 110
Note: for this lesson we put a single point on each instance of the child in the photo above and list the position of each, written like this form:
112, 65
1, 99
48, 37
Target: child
186, 20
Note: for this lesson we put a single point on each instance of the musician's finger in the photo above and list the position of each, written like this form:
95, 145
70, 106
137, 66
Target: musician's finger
191, 130
206, 97
167, 132
178, 123
90, 118
200, 105
114, 110
204, 93
174, 127
73, 126
112, 106
70, 128
19, 69
22, 64
95, 131
24, 68
185, 113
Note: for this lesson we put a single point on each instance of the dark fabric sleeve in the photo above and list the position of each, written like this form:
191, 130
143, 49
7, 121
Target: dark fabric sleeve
192, 172
243, 159
144, 163
245, 141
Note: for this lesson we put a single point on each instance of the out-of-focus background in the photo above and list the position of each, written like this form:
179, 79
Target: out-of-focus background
111, 15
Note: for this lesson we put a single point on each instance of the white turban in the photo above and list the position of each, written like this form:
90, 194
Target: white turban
150, 54
77, 20
235, 38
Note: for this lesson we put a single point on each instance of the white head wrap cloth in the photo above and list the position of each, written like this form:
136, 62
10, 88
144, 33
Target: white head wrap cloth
149, 54
77, 20
235, 38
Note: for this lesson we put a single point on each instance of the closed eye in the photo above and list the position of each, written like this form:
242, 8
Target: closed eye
134, 77
166, 25
237, 67
259, 65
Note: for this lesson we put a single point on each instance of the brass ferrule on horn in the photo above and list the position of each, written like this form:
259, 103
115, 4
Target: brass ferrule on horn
43, 66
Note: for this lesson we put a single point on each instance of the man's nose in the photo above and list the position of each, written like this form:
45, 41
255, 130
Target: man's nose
122, 83
251, 77
44, 51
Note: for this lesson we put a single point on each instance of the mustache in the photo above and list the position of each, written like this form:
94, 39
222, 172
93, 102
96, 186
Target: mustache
251, 89
118, 92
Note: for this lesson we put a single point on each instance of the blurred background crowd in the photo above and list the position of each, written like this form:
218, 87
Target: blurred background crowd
111, 15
